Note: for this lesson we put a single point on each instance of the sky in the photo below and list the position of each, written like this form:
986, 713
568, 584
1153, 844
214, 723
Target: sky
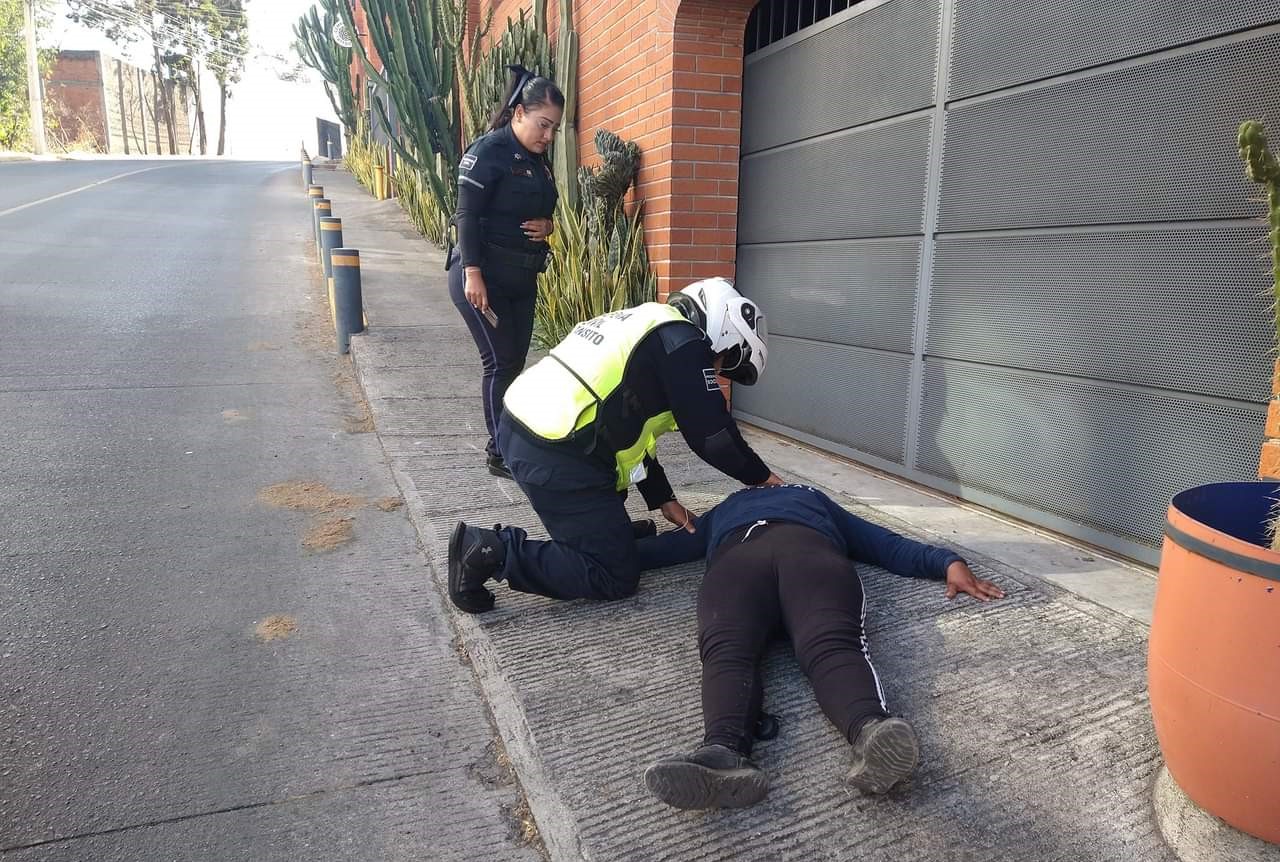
266, 118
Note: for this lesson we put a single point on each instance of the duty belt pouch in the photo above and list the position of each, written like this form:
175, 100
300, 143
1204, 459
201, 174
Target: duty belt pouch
449, 231
510, 257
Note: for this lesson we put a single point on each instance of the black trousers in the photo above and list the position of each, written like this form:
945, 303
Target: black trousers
592, 551
504, 348
788, 579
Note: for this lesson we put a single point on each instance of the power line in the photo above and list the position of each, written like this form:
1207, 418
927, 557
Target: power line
219, 48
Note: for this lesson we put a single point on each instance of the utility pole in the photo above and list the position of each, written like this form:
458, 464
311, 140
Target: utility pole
33, 79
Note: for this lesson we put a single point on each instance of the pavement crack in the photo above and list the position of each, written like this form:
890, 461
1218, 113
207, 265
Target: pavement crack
231, 809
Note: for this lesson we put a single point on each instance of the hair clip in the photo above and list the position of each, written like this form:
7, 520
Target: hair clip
525, 78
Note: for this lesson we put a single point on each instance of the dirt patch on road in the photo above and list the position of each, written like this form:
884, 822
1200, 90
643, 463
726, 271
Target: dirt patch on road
276, 627
233, 417
328, 534
261, 346
307, 497
389, 504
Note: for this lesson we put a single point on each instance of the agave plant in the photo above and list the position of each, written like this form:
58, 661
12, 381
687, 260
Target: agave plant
363, 155
598, 258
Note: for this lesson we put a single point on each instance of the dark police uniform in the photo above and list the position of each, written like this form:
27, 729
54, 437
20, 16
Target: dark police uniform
572, 484
500, 185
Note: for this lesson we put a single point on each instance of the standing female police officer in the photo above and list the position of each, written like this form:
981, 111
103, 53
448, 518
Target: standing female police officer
506, 195
583, 424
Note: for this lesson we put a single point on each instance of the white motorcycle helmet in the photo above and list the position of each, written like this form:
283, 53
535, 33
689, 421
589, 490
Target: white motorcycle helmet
733, 323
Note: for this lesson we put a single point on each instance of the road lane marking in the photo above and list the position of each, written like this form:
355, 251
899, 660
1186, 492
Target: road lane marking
13, 210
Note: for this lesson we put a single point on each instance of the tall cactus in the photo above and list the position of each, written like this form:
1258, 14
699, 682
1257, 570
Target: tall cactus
316, 48
418, 42
1262, 167
525, 42
565, 157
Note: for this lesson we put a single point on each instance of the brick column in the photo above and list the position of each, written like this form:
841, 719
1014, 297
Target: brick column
666, 74
1269, 463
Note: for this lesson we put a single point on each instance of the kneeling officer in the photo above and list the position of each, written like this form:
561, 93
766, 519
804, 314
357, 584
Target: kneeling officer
583, 424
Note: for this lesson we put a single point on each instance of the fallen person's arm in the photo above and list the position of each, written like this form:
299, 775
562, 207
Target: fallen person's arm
874, 544
675, 546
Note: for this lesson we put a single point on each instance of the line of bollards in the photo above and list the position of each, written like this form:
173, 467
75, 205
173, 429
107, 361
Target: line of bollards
341, 265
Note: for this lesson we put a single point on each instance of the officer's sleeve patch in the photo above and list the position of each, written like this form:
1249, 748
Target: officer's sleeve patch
709, 378
468, 162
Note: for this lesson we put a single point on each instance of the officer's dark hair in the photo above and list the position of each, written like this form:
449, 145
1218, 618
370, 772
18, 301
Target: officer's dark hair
527, 89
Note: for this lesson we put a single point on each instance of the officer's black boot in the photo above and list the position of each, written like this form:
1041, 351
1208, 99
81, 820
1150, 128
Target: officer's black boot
475, 556
884, 752
643, 529
713, 776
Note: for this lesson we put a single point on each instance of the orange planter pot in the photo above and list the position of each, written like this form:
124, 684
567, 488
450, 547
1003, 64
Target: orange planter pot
1213, 664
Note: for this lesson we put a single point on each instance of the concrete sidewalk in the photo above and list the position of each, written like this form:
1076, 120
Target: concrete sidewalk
1032, 712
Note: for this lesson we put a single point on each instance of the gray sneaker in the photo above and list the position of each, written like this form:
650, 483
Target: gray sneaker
713, 776
885, 752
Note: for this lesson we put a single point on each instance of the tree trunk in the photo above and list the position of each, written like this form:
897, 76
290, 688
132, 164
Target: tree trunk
222, 114
204, 140
124, 114
162, 101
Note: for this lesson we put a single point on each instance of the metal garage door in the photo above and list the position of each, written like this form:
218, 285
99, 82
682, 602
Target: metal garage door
1047, 294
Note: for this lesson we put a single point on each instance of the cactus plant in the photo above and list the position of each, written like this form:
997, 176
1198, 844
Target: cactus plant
419, 43
564, 159
598, 261
1262, 167
525, 42
316, 48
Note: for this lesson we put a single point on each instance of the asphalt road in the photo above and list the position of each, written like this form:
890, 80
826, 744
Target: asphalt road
197, 660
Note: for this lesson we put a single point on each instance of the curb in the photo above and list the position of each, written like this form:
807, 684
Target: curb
1195, 835
557, 826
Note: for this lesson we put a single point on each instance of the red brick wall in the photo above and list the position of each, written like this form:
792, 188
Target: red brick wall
359, 77
668, 75
74, 92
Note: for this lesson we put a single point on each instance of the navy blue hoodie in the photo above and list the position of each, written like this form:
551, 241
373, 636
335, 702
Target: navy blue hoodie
858, 539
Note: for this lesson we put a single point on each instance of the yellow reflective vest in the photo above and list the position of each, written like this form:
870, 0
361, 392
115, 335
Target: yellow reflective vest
560, 396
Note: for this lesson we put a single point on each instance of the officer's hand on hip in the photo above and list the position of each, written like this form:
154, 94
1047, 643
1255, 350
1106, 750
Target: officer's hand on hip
537, 229
475, 291
677, 514
772, 480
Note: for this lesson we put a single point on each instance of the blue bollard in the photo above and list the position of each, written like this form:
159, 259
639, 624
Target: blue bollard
348, 303
308, 174
330, 238
321, 208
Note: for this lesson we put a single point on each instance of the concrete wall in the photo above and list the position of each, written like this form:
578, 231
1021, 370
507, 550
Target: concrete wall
111, 105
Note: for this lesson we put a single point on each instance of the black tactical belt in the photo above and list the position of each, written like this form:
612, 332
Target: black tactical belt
510, 257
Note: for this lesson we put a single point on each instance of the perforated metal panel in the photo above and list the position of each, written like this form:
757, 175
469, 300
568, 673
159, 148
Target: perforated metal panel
855, 292
1185, 310
862, 183
865, 68
1098, 330
1149, 143
999, 43
845, 394
1098, 455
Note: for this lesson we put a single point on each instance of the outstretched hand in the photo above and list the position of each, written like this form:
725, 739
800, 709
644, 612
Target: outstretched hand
961, 580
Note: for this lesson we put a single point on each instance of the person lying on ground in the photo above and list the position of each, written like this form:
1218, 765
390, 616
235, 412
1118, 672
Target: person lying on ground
781, 560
